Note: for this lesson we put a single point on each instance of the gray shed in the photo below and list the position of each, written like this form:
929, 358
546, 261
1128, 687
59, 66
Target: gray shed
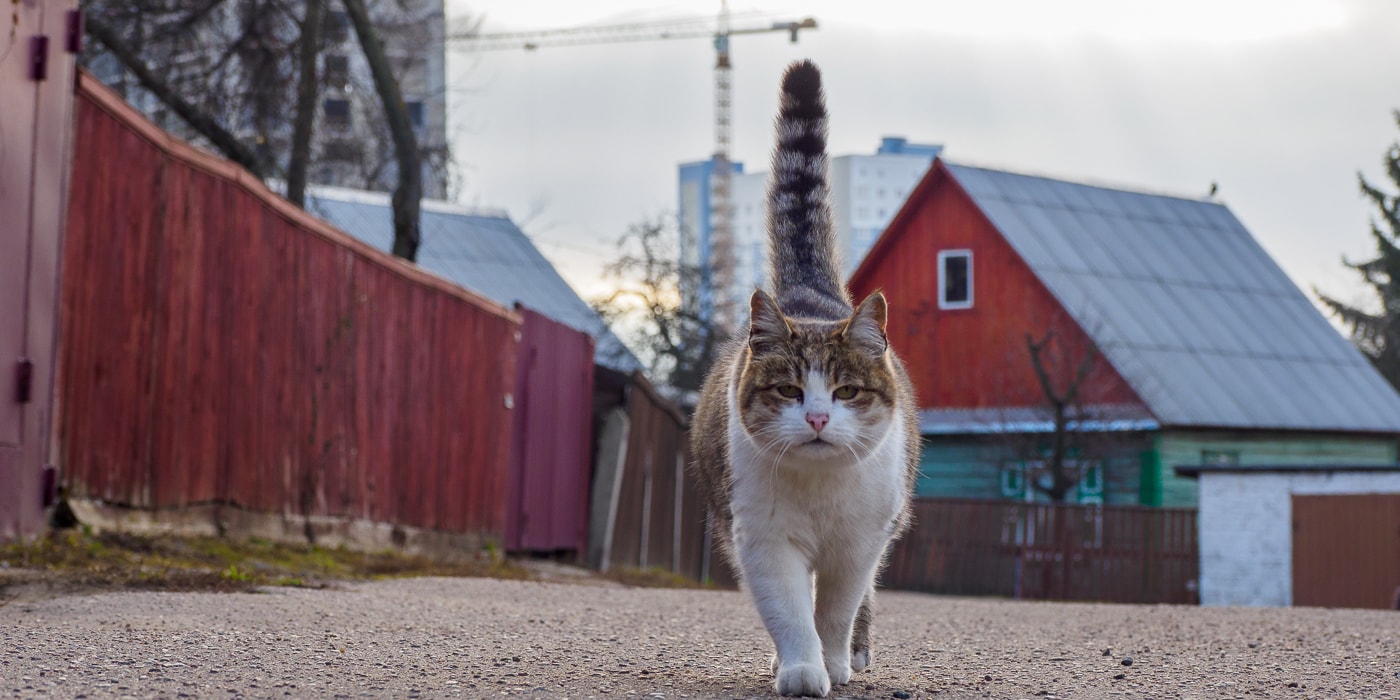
483, 251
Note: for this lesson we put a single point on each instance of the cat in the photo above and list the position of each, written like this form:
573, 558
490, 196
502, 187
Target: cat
805, 438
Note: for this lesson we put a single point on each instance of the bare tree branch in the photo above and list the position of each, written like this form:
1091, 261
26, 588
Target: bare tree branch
198, 120
1063, 475
673, 340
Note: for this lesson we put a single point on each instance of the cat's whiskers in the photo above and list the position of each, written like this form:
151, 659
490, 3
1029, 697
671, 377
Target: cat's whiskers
857, 441
776, 430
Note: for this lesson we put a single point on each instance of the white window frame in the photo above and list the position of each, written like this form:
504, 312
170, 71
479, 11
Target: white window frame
943, 256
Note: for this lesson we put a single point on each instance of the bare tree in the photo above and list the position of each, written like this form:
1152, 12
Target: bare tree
409, 192
672, 338
196, 116
308, 89
1066, 414
216, 72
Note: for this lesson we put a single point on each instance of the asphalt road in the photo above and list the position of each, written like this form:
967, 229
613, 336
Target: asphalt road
489, 638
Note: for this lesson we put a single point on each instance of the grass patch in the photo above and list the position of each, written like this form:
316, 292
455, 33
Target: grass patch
654, 577
75, 559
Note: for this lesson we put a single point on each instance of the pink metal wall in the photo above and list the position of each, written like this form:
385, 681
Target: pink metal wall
36, 67
552, 437
221, 346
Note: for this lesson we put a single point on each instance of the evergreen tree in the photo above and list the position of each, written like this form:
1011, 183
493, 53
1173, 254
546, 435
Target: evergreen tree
1377, 333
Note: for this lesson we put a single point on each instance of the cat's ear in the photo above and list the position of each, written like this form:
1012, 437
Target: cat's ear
767, 326
866, 328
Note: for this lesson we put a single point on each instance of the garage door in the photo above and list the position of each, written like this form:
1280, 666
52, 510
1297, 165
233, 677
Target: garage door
1346, 550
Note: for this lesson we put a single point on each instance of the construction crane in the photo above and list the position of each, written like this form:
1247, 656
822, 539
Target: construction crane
717, 275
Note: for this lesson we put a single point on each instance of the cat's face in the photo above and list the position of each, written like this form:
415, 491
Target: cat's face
817, 391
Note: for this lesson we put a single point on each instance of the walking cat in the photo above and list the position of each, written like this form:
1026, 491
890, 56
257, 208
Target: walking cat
806, 439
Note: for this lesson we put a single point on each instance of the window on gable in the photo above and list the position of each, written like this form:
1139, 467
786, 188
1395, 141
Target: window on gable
955, 279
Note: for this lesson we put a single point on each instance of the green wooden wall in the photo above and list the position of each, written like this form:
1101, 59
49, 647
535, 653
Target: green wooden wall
1137, 467
965, 466
1189, 448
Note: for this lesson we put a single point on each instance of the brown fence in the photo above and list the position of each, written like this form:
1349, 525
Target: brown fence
220, 346
1043, 551
648, 507
659, 520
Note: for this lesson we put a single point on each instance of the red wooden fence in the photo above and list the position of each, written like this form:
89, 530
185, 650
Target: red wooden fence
220, 346
1059, 552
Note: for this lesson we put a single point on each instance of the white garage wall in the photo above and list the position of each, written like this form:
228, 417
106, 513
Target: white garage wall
1246, 529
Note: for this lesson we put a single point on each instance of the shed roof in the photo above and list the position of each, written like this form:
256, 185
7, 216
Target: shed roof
1186, 305
1026, 419
481, 250
1192, 471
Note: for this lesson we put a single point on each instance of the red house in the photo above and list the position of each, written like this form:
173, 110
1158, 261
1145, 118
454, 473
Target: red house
1169, 332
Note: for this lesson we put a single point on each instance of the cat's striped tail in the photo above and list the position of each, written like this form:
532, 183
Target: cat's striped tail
803, 265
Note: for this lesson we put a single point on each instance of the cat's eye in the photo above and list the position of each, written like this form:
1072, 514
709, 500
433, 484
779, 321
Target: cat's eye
845, 393
789, 391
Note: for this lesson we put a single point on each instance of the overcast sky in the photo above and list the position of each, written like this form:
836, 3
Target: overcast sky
1279, 101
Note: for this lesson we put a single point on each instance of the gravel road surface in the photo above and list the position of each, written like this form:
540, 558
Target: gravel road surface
490, 638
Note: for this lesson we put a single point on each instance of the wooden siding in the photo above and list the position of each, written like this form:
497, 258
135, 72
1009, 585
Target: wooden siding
977, 357
221, 346
1189, 448
1346, 551
1042, 551
660, 520
645, 530
954, 466
552, 438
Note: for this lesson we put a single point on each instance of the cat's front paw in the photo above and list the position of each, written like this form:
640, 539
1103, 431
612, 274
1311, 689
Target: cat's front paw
809, 680
839, 671
860, 660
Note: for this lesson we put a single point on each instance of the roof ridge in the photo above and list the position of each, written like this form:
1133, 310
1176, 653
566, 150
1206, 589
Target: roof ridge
1203, 295
1088, 182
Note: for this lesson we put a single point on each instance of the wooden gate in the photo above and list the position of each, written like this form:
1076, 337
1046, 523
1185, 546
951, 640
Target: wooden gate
552, 438
1346, 550
36, 89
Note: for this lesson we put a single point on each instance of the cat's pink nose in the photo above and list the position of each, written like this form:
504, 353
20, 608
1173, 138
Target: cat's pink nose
817, 420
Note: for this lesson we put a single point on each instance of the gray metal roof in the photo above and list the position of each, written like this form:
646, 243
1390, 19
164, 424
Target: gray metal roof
482, 251
1021, 419
1187, 307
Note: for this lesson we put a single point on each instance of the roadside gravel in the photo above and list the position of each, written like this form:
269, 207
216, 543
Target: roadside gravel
438, 637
